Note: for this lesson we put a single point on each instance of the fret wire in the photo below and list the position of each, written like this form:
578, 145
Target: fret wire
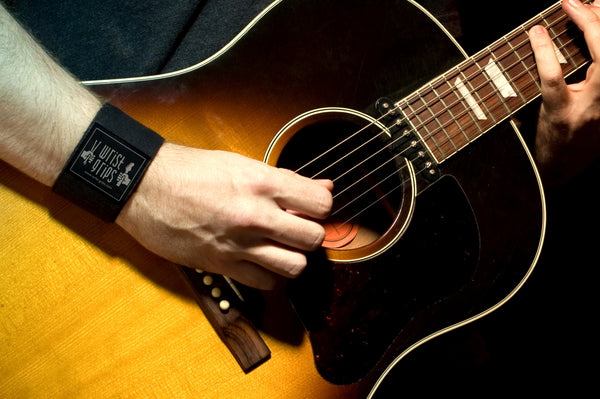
476, 93
512, 65
468, 111
422, 125
437, 131
534, 77
437, 120
554, 24
568, 55
526, 68
566, 48
558, 38
518, 45
533, 67
482, 100
467, 78
453, 120
496, 89
520, 60
555, 37
432, 136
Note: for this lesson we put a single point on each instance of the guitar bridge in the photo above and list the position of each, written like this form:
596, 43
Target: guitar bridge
223, 304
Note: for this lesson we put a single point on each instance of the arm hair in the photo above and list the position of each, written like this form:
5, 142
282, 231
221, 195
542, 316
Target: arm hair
44, 110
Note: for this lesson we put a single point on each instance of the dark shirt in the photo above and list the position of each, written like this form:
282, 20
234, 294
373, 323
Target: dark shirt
125, 38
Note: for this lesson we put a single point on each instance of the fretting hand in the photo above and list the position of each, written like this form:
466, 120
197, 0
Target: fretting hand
568, 131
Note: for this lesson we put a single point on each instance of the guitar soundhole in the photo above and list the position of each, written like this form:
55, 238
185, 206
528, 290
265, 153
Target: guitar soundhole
370, 181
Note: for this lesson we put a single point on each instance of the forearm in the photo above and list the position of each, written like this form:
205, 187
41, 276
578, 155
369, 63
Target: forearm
44, 111
216, 210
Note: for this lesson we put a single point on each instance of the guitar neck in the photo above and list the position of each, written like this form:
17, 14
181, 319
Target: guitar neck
459, 106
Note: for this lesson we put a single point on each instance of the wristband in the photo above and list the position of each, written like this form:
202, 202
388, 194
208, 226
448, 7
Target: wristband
108, 163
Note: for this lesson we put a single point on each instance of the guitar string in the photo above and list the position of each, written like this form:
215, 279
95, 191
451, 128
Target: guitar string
378, 120
526, 71
551, 12
363, 210
361, 163
522, 60
530, 68
393, 158
363, 177
487, 82
340, 144
442, 127
468, 62
518, 45
375, 202
454, 118
393, 189
389, 144
491, 109
473, 126
361, 195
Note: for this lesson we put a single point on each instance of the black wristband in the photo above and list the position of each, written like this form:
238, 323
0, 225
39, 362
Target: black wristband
108, 163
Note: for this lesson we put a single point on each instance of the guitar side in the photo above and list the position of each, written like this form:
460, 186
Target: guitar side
91, 273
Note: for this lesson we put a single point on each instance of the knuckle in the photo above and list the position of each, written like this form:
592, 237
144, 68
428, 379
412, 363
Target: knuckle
326, 202
553, 80
296, 264
249, 216
318, 236
260, 181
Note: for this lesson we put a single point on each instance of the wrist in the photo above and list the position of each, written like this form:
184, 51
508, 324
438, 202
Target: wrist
147, 189
108, 163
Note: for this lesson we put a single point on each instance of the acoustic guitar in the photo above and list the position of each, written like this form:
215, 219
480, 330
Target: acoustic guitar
439, 213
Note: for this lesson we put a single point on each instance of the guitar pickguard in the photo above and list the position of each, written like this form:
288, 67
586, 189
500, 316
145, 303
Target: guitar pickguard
355, 311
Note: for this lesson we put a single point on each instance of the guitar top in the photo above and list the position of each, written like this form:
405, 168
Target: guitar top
85, 311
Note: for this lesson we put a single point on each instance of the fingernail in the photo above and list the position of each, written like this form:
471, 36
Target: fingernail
538, 30
574, 3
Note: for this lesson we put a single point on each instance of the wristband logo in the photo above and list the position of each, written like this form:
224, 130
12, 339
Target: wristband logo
108, 163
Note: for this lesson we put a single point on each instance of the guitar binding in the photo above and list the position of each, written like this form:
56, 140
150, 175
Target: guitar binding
374, 181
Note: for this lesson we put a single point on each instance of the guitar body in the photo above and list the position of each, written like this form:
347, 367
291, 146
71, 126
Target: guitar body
89, 313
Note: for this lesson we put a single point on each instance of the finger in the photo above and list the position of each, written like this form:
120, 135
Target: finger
309, 197
328, 184
295, 231
277, 259
588, 20
250, 274
554, 87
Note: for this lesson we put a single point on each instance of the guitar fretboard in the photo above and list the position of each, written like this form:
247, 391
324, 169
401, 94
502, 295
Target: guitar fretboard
465, 102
